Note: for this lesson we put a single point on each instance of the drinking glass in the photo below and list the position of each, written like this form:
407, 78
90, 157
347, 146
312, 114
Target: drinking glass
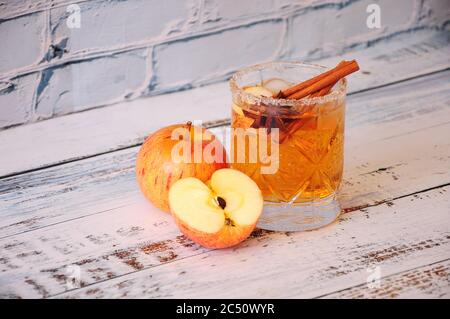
293, 149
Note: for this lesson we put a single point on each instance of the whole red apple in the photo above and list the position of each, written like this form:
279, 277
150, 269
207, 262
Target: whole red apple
175, 152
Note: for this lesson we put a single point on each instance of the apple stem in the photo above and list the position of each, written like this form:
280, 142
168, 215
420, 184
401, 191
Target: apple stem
229, 222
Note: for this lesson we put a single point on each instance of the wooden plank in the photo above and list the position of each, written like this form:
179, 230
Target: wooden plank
385, 121
130, 239
114, 127
103, 130
99, 222
396, 59
430, 281
410, 232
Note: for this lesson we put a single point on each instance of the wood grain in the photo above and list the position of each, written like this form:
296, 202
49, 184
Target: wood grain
430, 281
119, 126
88, 212
394, 237
73, 190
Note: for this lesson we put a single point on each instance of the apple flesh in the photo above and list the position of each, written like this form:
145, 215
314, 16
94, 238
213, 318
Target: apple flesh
219, 214
156, 170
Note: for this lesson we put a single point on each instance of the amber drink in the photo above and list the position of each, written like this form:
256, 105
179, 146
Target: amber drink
300, 169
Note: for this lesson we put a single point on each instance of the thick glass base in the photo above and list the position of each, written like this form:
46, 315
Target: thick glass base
299, 217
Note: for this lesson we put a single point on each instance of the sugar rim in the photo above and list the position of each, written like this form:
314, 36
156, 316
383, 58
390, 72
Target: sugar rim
336, 94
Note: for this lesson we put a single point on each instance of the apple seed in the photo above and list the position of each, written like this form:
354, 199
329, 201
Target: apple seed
222, 203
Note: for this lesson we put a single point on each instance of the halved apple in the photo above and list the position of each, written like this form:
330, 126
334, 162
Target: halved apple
219, 214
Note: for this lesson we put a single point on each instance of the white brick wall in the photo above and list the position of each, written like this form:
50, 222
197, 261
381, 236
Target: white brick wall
322, 35
77, 86
435, 12
202, 59
215, 11
126, 49
21, 41
17, 100
107, 24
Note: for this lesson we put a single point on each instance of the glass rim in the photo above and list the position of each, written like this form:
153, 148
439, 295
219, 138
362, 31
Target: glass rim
335, 94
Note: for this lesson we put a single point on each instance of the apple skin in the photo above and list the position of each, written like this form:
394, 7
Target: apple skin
156, 172
226, 237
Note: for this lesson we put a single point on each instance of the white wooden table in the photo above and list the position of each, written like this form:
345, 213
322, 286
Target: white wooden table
70, 208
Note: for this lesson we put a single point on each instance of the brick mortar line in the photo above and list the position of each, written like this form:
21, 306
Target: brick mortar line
283, 15
292, 7
19, 14
91, 54
207, 125
82, 56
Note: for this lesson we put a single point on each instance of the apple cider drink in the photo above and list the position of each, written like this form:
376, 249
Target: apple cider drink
301, 130
310, 154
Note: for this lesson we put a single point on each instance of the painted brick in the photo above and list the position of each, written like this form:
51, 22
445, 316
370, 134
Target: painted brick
82, 85
295, 4
317, 28
105, 24
330, 29
12, 8
210, 57
436, 12
16, 100
22, 41
224, 11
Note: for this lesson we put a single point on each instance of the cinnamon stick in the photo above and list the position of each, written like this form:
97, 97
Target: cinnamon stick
294, 89
319, 85
323, 91
329, 79
298, 124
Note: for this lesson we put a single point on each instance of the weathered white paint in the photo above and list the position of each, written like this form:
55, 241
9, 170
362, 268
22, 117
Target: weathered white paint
22, 41
20, 93
125, 124
385, 122
106, 129
89, 213
216, 38
395, 238
120, 23
18, 8
333, 29
80, 86
201, 60
117, 241
430, 281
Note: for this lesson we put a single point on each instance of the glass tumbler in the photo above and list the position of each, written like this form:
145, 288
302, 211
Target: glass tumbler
293, 149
